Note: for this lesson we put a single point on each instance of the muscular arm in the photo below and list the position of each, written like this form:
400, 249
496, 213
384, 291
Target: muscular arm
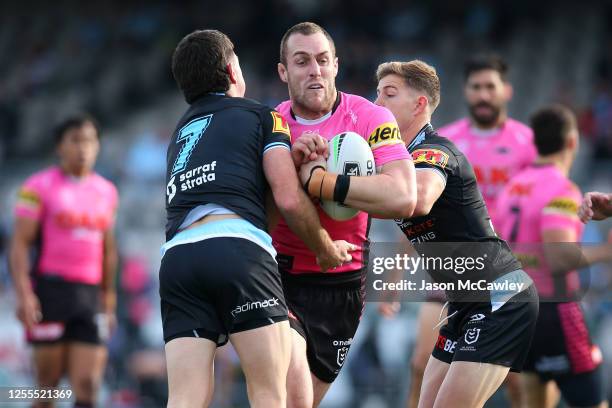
23, 238
390, 194
430, 186
26, 230
109, 270
563, 254
292, 202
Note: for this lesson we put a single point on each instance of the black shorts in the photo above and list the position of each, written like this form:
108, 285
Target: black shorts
70, 312
476, 333
562, 351
218, 286
325, 309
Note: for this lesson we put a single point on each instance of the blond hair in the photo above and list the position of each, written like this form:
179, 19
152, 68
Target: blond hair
417, 74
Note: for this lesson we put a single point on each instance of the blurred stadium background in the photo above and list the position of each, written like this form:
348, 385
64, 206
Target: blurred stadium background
113, 59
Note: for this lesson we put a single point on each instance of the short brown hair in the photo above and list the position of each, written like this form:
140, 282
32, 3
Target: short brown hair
199, 63
417, 75
305, 28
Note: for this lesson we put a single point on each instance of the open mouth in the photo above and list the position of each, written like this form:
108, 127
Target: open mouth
315, 86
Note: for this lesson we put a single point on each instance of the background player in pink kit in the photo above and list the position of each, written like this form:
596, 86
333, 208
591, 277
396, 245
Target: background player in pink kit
325, 309
68, 212
496, 145
539, 206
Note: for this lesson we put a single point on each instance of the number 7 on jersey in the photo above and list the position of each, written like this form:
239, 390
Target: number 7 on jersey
189, 134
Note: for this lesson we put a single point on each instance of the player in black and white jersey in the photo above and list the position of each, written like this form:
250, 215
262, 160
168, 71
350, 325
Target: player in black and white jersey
488, 332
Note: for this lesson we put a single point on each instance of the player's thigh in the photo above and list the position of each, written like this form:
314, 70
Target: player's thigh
434, 375
469, 385
264, 355
427, 333
536, 392
49, 363
86, 363
189, 362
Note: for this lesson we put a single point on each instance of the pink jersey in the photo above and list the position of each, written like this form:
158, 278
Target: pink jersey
495, 155
73, 216
538, 199
379, 128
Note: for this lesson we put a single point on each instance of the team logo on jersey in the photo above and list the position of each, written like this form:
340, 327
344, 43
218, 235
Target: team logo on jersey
385, 134
279, 124
520, 189
434, 157
471, 335
342, 351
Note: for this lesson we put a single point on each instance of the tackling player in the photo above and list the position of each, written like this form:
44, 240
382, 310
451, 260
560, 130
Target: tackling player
325, 309
67, 306
497, 147
486, 335
539, 206
218, 277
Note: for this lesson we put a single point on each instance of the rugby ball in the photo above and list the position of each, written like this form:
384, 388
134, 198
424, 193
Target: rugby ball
351, 155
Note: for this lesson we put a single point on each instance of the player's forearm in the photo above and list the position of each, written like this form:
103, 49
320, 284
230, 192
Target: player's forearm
19, 265
383, 195
302, 218
565, 257
109, 271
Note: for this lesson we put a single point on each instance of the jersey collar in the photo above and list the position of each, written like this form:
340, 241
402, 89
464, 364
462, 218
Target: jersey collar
420, 137
321, 119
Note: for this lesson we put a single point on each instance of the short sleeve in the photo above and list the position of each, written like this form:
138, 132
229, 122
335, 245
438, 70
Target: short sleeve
561, 212
276, 131
30, 199
384, 137
436, 158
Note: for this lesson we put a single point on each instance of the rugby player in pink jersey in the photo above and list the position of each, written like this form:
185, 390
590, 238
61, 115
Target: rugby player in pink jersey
66, 300
538, 212
496, 145
325, 309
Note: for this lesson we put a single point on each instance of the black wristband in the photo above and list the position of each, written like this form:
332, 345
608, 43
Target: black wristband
343, 183
310, 176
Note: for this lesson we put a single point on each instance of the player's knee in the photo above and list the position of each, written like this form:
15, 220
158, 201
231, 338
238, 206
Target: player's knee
418, 364
86, 387
299, 390
48, 377
271, 396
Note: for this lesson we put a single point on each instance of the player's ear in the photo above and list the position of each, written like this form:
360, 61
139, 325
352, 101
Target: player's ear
282, 72
508, 90
572, 139
232, 73
421, 105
